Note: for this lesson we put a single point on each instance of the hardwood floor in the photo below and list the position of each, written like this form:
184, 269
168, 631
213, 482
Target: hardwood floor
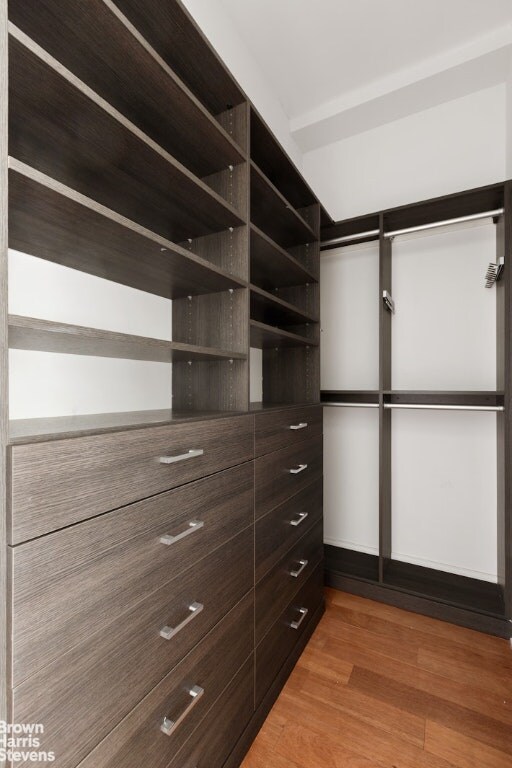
378, 687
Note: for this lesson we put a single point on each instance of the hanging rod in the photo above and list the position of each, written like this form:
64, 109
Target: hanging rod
349, 238
352, 405
424, 406
445, 223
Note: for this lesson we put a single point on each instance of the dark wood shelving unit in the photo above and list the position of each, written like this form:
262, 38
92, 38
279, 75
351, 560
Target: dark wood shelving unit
54, 222
470, 602
122, 68
145, 183
272, 266
273, 214
268, 337
48, 336
270, 309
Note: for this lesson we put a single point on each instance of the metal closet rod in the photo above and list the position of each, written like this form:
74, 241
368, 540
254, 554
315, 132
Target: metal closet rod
428, 407
347, 238
445, 223
352, 405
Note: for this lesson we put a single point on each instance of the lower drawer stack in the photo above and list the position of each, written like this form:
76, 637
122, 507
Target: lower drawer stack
163, 582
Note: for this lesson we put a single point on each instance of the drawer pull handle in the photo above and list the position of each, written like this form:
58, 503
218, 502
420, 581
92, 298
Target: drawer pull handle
182, 456
302, 564
168, 632
169, 726
302, 425
298, 469
302, 516
296, 624
193, 525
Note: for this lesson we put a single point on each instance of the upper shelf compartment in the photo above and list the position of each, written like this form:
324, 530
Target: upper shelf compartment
272, 266
62, 128
53, 222
274, 215
168, 27
101, 47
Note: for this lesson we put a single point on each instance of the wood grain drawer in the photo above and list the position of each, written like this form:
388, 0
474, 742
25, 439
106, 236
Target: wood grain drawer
281, 474
288, 427
277, 644
138, 740
61, 482
72, 583
211, 743
281, 528
276, 590
87, 691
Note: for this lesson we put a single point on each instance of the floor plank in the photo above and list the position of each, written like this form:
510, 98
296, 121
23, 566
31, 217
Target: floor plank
379, 687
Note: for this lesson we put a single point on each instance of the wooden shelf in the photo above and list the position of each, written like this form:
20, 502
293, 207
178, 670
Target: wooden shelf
171, 31
272, 266
430, 397
273, 161
272, 310
350, 396
265, 336
58, 427
53, 222
101, 47
61, 127
47, 336
273, 214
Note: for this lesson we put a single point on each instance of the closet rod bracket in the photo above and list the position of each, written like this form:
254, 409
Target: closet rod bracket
388, 301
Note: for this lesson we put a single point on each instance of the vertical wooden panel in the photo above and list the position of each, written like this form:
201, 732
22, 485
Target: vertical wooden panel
235, 121
385, 284
4, 403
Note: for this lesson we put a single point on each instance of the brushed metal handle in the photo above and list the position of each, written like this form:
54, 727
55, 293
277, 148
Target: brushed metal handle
300, 519
192, 525
296, 624
192, 454
168, 632
302, 425
298, 469
169, 726
302, 564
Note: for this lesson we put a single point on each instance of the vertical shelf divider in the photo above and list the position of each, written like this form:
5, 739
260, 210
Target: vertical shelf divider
4, 359
385, 335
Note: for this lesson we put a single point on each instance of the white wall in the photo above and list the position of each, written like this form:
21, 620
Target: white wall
455, 146
508, 87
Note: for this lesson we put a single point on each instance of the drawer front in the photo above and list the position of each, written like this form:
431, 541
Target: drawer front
87, 691
212, 742
289, 427
277, 645
72, 583
276, 590
281, 528
138, 740
61, 482
284, 473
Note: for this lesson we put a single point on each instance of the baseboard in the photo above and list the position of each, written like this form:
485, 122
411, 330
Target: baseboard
243, 744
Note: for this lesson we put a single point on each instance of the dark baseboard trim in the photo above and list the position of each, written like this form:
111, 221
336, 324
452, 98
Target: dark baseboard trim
246, 739
492, 625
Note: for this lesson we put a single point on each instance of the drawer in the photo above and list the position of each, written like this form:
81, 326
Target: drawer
276, 590
281, 474
73, 583
281, 528
87, 691
138, 740
211, 744
277, 644
57, 483
274, 430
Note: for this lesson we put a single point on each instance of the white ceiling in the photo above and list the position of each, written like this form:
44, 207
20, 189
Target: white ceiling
326, 57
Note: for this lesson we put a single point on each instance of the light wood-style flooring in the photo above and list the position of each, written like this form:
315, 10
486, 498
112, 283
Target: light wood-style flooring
378, 687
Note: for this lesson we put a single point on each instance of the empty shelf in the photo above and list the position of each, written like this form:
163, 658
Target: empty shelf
61, 127
263, 336
271, 309
272, 213
47, 336
49, 220
272, 266
101, 47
